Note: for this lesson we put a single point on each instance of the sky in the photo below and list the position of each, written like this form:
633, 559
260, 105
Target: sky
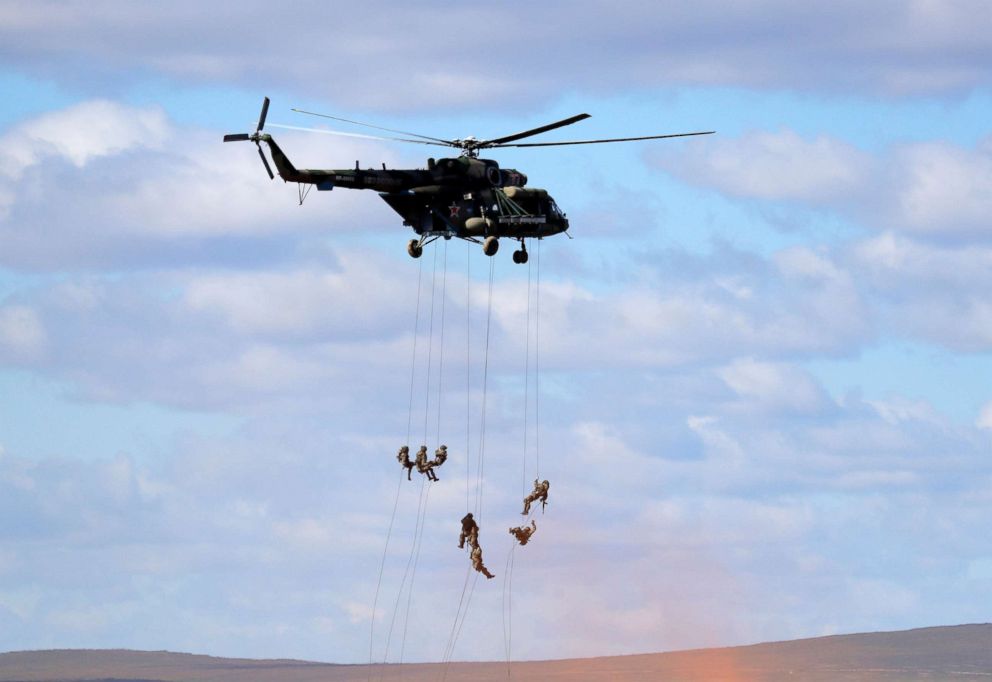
757, 376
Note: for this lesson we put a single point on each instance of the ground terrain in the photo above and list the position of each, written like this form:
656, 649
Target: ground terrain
937, 654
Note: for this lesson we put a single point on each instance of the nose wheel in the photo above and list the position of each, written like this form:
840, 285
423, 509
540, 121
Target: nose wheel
490, 246
414, 248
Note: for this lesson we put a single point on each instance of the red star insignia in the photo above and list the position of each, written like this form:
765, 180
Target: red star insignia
455, 210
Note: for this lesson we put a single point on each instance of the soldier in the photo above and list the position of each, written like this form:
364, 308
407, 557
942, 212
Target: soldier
424, 465
440, 456
540, 492
403, 457
470, 532
523, 533
477, 564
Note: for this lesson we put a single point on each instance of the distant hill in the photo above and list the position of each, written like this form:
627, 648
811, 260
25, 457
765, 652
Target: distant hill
940, 654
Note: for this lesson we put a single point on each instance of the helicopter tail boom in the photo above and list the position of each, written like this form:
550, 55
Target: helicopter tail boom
287, 171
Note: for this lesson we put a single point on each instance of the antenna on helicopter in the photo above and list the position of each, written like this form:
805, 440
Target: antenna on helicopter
256, 137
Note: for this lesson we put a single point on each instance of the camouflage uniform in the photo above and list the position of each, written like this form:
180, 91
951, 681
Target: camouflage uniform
403, 457
470, 532
440, 456
477, 564
523, 533
540, 492
424, 465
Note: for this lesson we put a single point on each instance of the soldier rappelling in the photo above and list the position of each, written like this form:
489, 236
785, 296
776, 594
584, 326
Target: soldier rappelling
470, 532
426, 466
477, 564
540, 492
440, 456
523, 533
403, 457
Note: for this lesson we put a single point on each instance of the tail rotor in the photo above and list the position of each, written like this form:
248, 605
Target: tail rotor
255, 137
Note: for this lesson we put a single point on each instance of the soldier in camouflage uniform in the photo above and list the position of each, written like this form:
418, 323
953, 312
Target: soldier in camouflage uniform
523, 533
540, 492
470, 532
424, 465
403, 457
477, 564
440, 456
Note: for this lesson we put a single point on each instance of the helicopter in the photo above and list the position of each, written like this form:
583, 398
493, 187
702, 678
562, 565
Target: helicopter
464, 197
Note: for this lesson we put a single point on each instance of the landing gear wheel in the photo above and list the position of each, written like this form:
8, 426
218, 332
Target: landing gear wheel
520, 256
490, 246
414, 248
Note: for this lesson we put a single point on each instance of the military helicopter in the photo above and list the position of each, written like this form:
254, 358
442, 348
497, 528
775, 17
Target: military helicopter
464, 197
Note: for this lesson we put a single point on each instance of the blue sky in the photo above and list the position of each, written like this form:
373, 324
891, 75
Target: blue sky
765, 355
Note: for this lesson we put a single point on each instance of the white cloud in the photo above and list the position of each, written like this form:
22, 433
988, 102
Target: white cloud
928, 291
984, 420
80, 134
777, 387
222, 339
943, 189
932, 189
800, 302
134, 189
899, 410
774, 166
307, 534
894, 47
360, 613
302, 303
22, 333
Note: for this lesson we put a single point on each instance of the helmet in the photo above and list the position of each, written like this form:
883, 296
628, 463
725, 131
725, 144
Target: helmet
444, 447
546, 483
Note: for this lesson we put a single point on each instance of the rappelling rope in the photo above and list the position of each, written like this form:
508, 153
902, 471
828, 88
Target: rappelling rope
485, 381
382, 565
464, 602
523, 471
396, 501
446, 656
418, 543
403, 582
507, 603
422, 508
537, 369
440, 384
440, 350
468, 371
507, 611
430, 349
461, 623
414, 557
413, 360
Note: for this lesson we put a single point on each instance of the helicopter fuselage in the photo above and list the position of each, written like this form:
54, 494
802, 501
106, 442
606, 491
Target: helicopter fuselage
464, 197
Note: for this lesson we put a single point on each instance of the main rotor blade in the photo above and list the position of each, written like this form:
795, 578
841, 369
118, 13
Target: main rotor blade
326, 131
369, 125
237, 137
261, 117
535, 131
616, 139
261, 155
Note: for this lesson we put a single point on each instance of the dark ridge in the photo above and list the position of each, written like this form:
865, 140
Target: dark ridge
962, 653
